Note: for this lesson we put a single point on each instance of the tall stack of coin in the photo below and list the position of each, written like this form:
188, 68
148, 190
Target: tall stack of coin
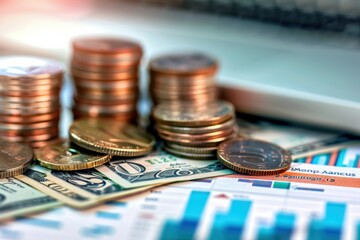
183, 77
195, 131
29, 99
105, 73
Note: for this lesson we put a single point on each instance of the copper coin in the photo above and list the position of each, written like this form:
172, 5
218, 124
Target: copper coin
104, 96
124, 117
18, 67
107, 94
254, 157
26, 133
184, 64
28, 100
111, 137
105, 85
186, 115
30, 118
103, 62
15, 158
104, 75
29, 139
84, 101
32, 126
33, 93
27, 110
105, 45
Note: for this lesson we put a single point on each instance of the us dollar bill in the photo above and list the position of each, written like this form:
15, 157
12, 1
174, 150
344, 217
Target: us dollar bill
88, 184
17, 198
38, 177
299, 141
160, 168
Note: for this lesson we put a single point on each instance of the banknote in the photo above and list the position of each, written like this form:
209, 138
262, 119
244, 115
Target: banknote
17, 198
38, 178
298, 140
90, 184
158, 168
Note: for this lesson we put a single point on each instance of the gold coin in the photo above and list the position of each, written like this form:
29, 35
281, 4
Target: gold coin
253, 157
198, 137
60, 155
189, 142
111, 137
185, 114
15, 158
194, 156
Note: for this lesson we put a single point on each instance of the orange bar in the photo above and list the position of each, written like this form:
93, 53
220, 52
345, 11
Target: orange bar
309, 159
333, 158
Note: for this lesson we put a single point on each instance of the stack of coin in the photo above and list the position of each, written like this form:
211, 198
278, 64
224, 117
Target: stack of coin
183, 77
105, 73
29, 99
195, 131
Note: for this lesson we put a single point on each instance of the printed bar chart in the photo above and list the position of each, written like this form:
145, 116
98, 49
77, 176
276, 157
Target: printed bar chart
230, 225
349, 157
186, 228
330, 227
282, 229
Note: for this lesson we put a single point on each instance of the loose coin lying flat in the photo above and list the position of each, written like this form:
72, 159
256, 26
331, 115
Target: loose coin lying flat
253, 157
14, 158
111, 137
60, 155
184, 114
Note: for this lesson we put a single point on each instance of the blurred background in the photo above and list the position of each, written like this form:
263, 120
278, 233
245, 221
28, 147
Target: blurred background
289, 59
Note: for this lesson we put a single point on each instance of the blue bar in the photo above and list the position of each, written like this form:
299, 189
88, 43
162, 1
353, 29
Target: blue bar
259, 183
331, 226
202, 180
245, 180
357, 237
196, 205
341, 158
116, 204
300, 160
310, 189
230, 225
282, 229
108, 215
322, 159
41, 222
354, 163
186, 228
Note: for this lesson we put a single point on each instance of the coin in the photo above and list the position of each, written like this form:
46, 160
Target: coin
184, 63
62, 156
111, 137
187, 149
197, 130
186, 115
15, 158
193, 156
197, 137
253, 157
28, 68
105, 75
204, 142
105, 45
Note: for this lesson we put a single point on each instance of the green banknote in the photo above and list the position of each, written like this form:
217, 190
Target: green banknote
17, 198
160, 168
79, 189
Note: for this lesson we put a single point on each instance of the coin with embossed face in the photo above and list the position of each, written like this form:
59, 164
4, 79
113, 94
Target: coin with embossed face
14, 158
60, 155
184, 114
111, 137
253, 157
